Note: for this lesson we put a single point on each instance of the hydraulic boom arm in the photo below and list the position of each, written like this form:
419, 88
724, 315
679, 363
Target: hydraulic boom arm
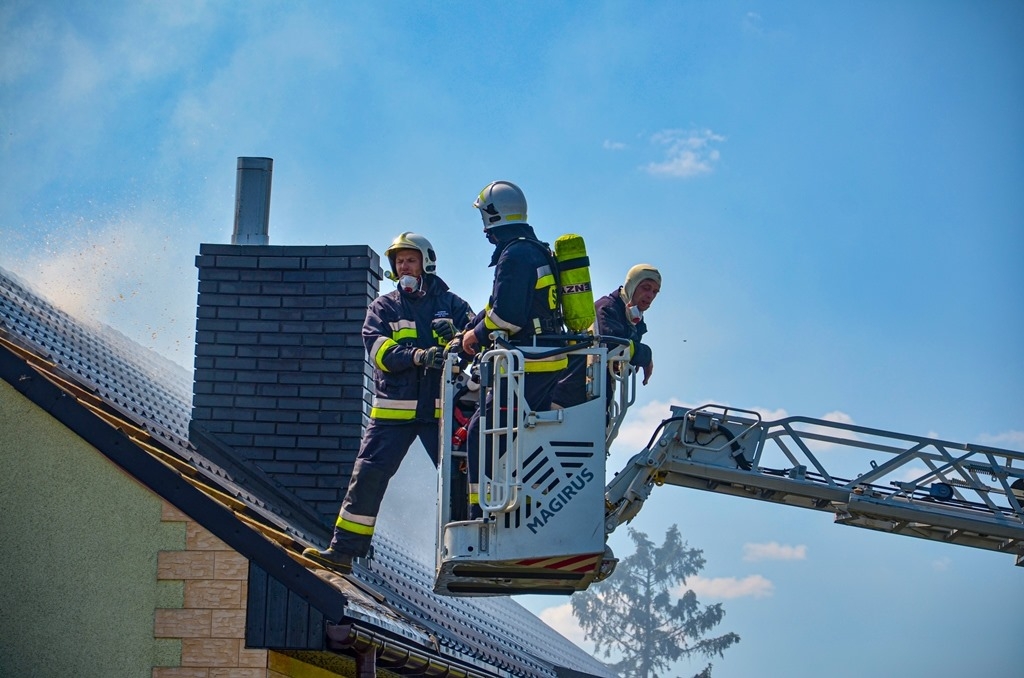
933, 489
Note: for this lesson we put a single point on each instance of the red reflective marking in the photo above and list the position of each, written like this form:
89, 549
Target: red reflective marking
581, 562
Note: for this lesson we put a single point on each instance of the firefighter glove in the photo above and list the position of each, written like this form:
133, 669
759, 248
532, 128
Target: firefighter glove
444, 328
455, 346
431, 358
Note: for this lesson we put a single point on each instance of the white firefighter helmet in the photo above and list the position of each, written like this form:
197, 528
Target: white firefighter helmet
501, 203
412, 241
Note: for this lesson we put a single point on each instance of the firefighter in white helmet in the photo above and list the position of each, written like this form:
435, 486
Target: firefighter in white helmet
523, 303
404, 333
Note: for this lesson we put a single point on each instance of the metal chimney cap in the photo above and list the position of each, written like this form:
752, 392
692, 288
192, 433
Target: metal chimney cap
255, 163
252, 201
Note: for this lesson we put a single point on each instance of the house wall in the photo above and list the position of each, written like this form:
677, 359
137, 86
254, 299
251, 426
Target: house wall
79, 558
101, 577
208, 611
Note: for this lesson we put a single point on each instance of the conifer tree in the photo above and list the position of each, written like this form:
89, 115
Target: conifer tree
632, 614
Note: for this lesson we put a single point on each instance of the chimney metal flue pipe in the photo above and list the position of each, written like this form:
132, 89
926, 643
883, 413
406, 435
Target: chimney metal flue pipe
252, 201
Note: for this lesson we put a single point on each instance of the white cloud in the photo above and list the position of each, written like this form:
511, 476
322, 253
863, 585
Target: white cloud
726, 588
610, 145
560, 618
818, 446
1008, 439
753, 23
771, 415
688, 153
637, 429
838, 417
773, 551
910, 473
641, 423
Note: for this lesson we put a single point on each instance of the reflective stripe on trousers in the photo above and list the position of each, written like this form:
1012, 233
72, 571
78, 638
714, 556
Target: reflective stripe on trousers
381, 451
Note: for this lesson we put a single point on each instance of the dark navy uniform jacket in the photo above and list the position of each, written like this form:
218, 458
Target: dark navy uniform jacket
524, 300
613, 321
396, 325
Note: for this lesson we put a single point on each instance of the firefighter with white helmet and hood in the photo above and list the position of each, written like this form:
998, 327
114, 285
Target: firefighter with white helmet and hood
620, 314
404, 333
643, 283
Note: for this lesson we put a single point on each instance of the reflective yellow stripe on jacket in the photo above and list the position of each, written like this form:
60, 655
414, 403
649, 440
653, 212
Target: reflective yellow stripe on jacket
380, 349
400, 329
545, 278
493, 321
553, 364
403, 329
396, 410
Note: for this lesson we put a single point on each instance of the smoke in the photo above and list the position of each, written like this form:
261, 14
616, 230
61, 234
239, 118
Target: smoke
133, 271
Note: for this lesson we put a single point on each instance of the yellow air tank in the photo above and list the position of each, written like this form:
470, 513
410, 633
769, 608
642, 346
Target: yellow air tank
574, 276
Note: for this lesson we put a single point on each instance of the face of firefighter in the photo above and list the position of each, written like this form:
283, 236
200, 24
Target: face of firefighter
408, 262
644, 294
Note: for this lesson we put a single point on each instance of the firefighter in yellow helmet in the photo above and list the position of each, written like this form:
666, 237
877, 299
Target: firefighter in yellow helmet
404, 333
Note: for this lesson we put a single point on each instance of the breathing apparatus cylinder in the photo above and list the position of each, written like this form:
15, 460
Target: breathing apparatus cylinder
574, 276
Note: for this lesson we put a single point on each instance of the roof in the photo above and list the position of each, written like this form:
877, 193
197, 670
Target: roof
126, 398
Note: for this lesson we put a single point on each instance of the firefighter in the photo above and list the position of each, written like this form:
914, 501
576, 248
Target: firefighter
523, 303
404, 333
630, 302
620, 313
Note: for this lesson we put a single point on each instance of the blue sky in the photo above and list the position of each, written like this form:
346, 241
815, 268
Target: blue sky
832, 191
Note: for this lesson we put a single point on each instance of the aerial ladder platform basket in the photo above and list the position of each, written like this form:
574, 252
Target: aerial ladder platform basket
542, 484
547, 509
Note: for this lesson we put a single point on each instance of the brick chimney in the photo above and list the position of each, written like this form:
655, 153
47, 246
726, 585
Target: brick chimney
281, 378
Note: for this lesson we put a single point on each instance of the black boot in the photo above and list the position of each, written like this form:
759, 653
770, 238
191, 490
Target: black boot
331, 559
